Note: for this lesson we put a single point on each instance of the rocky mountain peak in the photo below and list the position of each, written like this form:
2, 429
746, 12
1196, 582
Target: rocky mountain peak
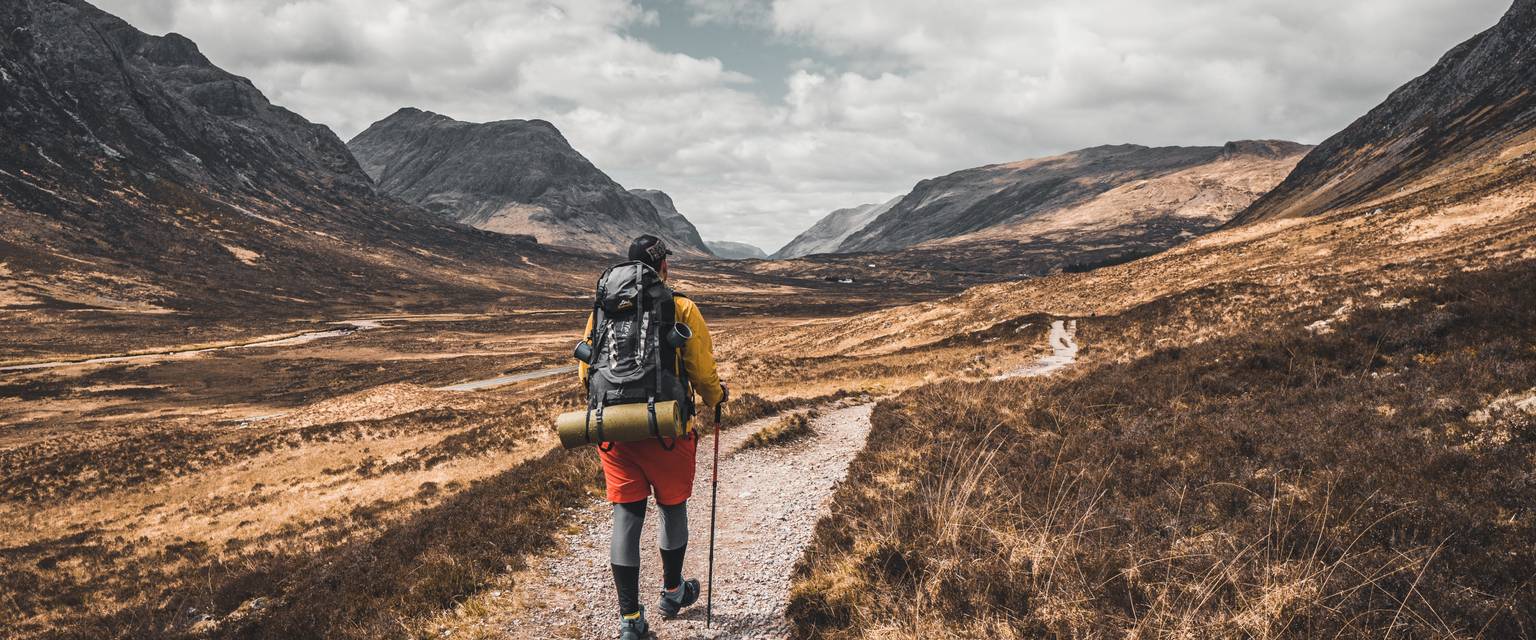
512, 176
172, 49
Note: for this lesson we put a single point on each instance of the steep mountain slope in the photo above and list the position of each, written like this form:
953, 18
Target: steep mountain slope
975, 201
736, 250
1465, 125
675, 225
140, 176
829, 232
511, 176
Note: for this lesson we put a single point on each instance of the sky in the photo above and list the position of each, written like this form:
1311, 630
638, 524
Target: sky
760, 116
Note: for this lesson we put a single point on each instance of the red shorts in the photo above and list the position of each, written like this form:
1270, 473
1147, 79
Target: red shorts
633, 468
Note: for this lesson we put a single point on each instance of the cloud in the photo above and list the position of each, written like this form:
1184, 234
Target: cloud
894, 90
737, 12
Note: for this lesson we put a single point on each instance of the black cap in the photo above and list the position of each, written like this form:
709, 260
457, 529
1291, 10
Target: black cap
649, 249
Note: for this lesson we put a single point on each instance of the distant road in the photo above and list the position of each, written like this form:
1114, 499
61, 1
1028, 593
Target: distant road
491, 383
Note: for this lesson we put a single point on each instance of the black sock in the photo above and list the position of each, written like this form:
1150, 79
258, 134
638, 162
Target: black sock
627, 581
672, 567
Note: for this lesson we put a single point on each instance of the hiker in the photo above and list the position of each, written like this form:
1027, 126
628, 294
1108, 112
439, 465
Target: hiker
633, 470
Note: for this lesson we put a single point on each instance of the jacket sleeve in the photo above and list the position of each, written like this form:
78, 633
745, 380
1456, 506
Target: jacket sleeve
699, 355
581, 367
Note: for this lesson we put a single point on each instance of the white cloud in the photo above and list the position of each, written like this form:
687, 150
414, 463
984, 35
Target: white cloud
897, 90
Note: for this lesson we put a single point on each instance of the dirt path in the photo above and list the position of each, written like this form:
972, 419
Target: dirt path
769, 503
1063, 353
499, 381
350, 327
770, 499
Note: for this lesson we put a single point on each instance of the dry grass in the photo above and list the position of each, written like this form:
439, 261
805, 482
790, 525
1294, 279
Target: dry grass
790, 428
1266, 484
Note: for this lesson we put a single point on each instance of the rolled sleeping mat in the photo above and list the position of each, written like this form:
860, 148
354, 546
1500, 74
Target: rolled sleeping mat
621, 423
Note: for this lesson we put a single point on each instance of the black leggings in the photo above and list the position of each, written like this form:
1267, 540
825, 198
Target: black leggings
624, 548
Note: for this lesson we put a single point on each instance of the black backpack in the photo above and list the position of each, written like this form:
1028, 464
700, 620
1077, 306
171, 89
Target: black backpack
635, 338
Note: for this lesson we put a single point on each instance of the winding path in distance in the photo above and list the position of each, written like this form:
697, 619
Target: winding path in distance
1063, 353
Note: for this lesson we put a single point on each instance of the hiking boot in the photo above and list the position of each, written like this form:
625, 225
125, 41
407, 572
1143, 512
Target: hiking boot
634, 628
674, 601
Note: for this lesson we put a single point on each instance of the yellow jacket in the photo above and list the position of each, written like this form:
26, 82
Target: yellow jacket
698, 355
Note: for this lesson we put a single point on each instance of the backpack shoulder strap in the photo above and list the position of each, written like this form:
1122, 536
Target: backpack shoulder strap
666, 316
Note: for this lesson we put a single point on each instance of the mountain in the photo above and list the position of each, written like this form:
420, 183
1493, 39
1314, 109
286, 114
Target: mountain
736, 250
511, 176
1076, 212
833, 229
1187, 183
1466, 126
139, 175
1432, 185
679, 226
674, 224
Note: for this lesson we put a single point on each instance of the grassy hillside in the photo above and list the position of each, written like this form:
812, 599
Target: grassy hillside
1365, 476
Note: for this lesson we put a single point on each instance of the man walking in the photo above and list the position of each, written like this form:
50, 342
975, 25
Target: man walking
634, 470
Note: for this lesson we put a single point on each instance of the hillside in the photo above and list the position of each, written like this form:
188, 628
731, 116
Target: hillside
674, 223
142, 178
1078, 212
1464, 128
736, 250
1059, 193
829, 232
511, 176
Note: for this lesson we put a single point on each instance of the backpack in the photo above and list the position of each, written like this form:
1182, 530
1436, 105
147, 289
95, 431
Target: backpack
634, 343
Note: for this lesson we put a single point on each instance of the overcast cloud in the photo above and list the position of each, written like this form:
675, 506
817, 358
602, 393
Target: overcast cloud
828, 104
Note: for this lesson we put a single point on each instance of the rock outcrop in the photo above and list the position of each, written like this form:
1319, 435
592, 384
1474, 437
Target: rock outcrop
511, 176
829, 232
674, 225
1464, 128
139, 174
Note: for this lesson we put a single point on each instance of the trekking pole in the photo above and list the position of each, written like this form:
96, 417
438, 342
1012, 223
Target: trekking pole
714, 488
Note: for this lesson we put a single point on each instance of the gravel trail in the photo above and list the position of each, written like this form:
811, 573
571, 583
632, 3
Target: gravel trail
1063, 353
770, 500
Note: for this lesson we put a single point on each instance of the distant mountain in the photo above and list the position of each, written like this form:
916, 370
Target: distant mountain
511, 176
736, 250
675, 225
1464, 128
975, 202
138, 174
1076, 212
829, 232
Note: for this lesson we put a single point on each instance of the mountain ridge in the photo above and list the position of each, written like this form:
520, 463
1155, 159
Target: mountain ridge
145, 176
511, 176
832, 229
972, 200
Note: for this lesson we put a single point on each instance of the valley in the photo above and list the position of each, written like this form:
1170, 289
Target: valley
256, 382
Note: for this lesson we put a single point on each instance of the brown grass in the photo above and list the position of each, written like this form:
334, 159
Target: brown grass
790, 428
1267, 484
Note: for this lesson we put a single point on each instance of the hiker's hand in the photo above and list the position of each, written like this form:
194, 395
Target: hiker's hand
725, 393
